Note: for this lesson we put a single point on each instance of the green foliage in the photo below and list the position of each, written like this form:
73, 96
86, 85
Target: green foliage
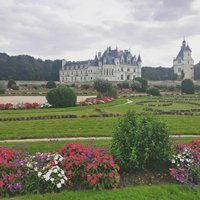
103, 86
140, 142
153, 91
2, 88
124, 84
85, 86
171, 88
197, 71
61, 96
25, 67
140, 84
187, 86
10, 83
51, 84
158, 73
14, 87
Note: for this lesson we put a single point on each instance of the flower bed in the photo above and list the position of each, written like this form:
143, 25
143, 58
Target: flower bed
95, 101
74, 164
9, 106
186, 163
77, 166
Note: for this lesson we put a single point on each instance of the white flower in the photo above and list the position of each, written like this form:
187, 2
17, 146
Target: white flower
56, 162
52, 180
59, 185
35, 169
61, 159
181, 160
62, 181
39, 174
47, 178
60, 175
173, 161
65, 178
62, 172
55, 170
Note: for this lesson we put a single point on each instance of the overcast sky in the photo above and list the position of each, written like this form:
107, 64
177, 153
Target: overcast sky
77, 29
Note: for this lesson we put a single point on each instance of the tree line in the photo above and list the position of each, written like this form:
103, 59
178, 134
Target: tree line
24, 67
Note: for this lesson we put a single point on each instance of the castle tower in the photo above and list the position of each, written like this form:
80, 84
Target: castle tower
183, 64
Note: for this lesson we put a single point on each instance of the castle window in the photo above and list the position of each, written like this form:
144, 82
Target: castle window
128, 77
107, 72
134, 70
128, 69
179, 69
122, 77
122, 69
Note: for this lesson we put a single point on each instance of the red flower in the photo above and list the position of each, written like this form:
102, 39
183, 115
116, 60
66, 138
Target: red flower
69, 172
93, 181
89, 178
94, 167
1, 183
111, 174
99, 175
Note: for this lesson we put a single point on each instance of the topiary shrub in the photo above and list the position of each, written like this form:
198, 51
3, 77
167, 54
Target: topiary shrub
102, 86
14, 87
50, 84
85, 86
153, 91
62, 96
10, 83
140, 84
187, 86
140, 142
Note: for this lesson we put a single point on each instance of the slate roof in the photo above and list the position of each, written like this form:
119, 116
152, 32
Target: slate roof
182, 50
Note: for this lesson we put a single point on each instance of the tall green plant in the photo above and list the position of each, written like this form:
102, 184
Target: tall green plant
140, 142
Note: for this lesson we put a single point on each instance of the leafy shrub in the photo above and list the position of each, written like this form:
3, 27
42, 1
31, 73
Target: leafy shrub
140, 142
187, 86
61, 96
2, 88
35, 86
50, 84
14, 87
171, 88
153, 91
85, 86
140, 84
124, 84
102, 86
10, 83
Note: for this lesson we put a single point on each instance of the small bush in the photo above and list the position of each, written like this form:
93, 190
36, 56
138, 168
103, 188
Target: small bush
14, 87
102, 86
140, 142
61, 96
50, 84
187, 86
153, 91
124, 85
111, 93
10, 83
85, 86
140, 84
2, 89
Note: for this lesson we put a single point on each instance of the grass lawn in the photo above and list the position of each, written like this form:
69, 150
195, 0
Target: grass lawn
34, 147
155, 192
86, 127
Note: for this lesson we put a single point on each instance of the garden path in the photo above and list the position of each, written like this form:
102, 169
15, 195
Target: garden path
80, 138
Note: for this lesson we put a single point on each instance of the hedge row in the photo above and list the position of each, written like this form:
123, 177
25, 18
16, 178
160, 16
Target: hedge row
57, 117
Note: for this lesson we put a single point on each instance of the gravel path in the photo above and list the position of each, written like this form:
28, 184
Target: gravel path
80, 138
31, 99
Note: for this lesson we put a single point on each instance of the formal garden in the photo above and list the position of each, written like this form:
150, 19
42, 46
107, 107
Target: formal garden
139, 156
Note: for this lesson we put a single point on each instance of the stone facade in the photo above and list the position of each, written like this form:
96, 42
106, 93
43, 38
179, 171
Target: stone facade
183, 64
112, 65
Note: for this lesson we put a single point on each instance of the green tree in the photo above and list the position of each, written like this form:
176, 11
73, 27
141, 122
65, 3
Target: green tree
50, 84
62, 96
10, 83
140, 84
187, 86
153, 91
102, 86
2, 88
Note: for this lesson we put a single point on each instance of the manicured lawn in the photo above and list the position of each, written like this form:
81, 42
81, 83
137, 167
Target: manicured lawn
34, 147
86, 127
155, 192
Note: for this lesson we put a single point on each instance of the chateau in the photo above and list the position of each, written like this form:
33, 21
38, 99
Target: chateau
183, 64
113, 65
